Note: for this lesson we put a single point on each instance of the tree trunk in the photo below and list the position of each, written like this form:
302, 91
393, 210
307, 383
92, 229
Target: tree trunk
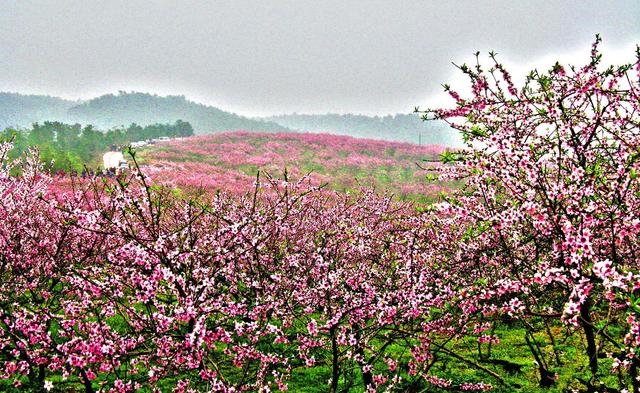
335, 367
592, 350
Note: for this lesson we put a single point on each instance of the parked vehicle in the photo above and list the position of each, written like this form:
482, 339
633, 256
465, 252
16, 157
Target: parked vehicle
112, 159
138, 144
114, 162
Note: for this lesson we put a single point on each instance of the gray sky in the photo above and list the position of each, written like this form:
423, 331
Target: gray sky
308, 56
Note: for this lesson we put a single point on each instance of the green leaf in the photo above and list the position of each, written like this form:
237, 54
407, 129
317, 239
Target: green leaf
431, 177
449, 156
545, 82
478, 131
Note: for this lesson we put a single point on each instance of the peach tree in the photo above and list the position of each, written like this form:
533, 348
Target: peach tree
545, 230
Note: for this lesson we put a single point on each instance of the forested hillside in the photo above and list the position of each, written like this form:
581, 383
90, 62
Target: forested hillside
18, 110
125, 108
121, 110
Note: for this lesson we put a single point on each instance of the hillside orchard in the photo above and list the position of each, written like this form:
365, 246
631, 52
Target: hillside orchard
232, 160
525, 278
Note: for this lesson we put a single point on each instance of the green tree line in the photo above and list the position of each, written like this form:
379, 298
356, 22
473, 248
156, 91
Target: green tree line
70, 147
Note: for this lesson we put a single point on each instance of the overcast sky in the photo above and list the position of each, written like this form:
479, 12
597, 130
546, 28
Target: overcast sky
306, 56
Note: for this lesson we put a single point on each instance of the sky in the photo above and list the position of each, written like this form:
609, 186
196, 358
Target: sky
258, 58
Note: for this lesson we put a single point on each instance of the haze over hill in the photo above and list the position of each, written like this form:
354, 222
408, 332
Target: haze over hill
400, 127
122, 109
19, 110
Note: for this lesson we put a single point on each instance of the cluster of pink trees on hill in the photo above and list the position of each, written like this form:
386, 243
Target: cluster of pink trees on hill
123, 285
232, 159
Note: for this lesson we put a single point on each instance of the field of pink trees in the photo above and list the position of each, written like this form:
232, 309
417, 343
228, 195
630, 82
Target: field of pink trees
524, 279
231, 161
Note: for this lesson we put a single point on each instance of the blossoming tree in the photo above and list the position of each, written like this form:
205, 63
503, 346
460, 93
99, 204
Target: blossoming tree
548, 220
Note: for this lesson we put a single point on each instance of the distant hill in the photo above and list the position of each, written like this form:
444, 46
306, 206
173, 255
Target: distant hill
110, 110
401, 127
18, 110
120, 110
123, 109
